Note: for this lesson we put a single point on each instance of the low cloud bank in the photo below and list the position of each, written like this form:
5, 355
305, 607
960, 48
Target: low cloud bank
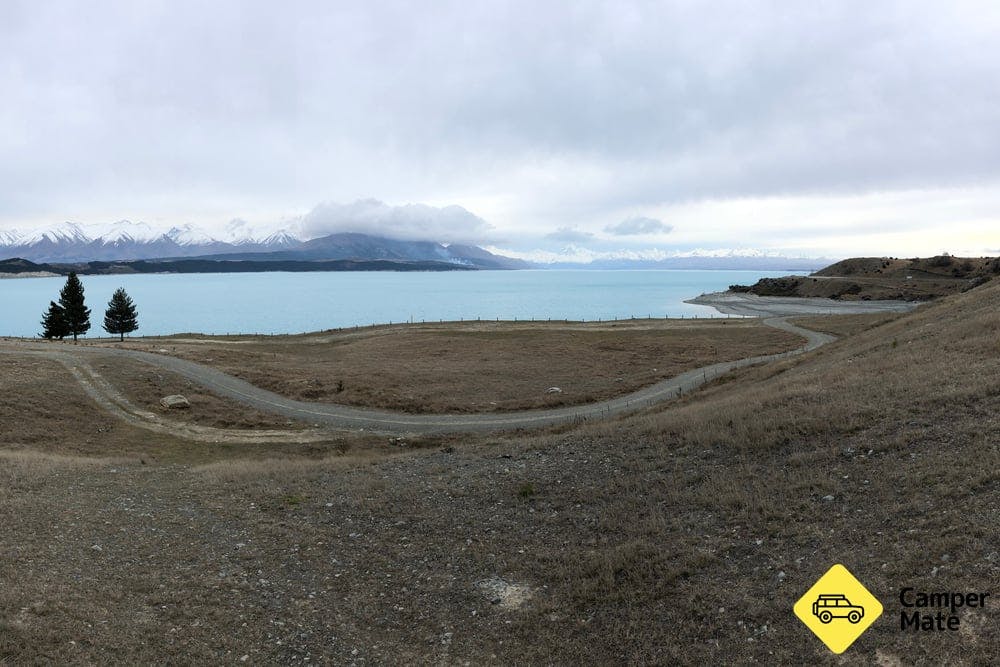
637, 225
569, 235
449, 224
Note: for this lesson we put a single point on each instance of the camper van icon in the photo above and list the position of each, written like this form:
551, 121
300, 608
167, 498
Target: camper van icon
828, 607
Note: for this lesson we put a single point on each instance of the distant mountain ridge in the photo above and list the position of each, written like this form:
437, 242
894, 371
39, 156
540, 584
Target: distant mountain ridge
18, 267
730, 262
128, 241
123, 241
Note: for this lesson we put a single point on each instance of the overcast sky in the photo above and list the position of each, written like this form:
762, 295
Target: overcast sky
813, 128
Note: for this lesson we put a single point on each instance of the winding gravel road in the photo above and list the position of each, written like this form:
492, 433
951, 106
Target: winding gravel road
342, 417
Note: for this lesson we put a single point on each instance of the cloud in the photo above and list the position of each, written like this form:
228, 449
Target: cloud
569, 235
639, 225
193, 111
448, 224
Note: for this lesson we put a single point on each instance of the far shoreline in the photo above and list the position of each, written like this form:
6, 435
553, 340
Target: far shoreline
752, 305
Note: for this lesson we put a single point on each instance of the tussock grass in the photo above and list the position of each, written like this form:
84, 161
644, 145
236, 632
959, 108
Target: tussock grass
145, 385
479, 366
254, 470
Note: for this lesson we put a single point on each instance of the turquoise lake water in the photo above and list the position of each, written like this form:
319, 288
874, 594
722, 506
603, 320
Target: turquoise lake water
297, 302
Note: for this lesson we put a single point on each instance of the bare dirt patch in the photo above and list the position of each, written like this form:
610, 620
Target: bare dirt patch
478, 367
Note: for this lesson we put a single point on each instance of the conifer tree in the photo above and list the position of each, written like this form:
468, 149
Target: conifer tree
121, 316
75, 312
54, 322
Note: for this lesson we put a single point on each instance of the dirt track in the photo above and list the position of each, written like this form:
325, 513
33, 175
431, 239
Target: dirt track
111, 400
339, 417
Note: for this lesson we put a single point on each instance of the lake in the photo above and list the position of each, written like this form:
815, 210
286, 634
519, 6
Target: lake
277, 302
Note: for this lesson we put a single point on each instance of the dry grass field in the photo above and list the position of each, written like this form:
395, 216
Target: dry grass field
145, 385
478, 366
680, 535
46, 412
845, 325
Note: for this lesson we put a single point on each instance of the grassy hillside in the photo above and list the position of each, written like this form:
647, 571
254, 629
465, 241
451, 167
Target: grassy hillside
682, 535
918, 279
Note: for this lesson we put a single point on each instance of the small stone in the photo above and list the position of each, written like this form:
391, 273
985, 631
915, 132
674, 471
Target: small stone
174, 402
553, 390
97, 547
828, 498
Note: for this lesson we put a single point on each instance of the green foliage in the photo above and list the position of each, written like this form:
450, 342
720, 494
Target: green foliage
54, 322
76, 315
121, 316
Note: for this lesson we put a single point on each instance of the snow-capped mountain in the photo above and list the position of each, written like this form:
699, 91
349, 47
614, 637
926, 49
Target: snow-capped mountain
240, 240
580, 257
126, 240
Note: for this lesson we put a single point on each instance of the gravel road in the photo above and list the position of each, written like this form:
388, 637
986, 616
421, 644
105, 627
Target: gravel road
342, 417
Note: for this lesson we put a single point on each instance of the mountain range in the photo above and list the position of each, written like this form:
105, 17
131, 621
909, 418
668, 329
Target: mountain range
126, 241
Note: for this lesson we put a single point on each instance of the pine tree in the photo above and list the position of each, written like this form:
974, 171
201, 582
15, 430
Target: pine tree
75, 313
121, 316
54, 322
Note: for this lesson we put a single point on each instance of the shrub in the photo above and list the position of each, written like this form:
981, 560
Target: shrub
940, 260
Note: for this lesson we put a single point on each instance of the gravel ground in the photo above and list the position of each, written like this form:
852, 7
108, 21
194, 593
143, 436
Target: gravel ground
751, 305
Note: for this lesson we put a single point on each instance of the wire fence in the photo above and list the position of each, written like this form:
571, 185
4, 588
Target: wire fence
441, 321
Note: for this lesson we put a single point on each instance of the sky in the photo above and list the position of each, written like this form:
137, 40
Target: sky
543, 129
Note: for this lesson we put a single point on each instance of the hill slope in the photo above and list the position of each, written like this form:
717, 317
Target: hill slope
884, 278
682, 535
879, 451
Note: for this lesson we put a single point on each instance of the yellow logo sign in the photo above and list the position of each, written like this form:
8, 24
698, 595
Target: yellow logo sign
838, 608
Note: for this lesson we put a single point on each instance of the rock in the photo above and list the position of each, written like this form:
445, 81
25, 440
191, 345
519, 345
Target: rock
176, 401
828, 498
553, 390
507, 595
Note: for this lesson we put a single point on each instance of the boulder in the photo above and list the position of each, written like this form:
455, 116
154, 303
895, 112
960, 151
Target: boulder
174, 402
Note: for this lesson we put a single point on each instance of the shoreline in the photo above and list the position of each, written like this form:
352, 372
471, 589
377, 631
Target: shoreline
751, 305
29, 274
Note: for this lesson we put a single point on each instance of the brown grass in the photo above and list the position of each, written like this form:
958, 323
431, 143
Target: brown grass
845, 325
145, 385
682, 535
479, 367
45, 411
